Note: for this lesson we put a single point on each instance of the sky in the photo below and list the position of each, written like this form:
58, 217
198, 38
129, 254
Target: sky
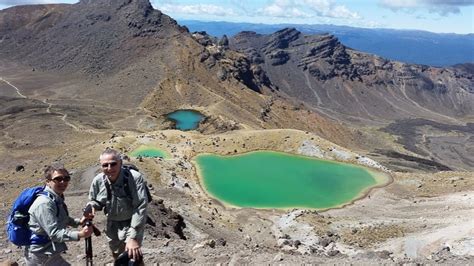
441, 16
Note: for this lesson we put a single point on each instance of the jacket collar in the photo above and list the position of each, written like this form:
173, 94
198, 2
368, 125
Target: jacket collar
53, 194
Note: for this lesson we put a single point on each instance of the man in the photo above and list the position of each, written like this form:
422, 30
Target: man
125, 208
49, 219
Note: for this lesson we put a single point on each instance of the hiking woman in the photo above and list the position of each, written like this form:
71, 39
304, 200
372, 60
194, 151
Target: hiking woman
49, 220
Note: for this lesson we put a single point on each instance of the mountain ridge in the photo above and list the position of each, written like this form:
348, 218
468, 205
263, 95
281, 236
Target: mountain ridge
77, 79
146, 60
329, 63
79, 25
410, 46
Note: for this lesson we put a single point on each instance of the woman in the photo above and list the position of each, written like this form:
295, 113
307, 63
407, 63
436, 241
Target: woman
49, 218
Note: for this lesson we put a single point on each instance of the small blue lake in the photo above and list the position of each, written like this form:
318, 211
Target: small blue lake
186, 119
149, 151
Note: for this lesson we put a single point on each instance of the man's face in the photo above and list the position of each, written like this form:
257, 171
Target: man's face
110, 166
59, 181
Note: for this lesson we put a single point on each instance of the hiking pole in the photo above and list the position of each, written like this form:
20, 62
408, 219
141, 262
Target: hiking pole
88, 241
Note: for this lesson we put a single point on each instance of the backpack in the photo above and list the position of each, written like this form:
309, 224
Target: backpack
18, 230
126, 186
128, 175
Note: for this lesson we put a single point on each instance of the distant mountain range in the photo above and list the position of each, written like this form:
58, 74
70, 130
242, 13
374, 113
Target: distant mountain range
409, 46
145, 60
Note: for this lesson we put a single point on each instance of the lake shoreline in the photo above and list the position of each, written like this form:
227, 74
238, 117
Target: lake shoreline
381, 180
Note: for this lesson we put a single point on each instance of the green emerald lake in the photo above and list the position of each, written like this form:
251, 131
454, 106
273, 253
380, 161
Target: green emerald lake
147, 151
266, 179
185, 119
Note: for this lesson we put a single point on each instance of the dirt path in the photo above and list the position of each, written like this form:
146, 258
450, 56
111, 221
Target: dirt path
48, 109
421, 108
13, 86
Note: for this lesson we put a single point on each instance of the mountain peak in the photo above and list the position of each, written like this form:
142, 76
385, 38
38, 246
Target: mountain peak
88, 36
287, 31
126, 9
115, 3
282, 38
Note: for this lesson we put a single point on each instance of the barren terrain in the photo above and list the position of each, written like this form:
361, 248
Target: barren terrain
420, 217
417, 218
75, 79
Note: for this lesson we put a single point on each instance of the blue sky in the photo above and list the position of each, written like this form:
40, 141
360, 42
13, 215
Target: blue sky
445, 16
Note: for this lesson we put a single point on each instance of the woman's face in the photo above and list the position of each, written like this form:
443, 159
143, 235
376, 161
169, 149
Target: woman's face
59, 181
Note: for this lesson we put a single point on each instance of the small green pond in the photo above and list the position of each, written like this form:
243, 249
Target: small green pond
147, 151
266, 179
185, 119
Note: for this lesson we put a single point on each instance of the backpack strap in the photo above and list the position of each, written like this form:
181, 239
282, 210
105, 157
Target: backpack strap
51, 196
126, 185
43, 239
107, 188
127, 176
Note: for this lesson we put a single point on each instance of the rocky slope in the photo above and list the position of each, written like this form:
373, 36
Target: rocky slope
146, 60
90, 36
354, 86
75, 79
419, 218
368, 91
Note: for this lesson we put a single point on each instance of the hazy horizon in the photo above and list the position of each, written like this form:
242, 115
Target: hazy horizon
438, 16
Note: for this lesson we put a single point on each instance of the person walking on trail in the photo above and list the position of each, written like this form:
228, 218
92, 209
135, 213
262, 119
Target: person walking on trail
49, 218
121, 193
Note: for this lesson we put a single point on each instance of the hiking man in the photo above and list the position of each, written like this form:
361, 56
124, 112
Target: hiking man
121, 193
49, 219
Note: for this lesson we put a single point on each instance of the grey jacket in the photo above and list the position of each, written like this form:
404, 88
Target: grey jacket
49, 216
121, 207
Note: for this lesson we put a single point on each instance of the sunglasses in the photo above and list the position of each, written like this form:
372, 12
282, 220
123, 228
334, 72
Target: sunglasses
106, 165
59, 179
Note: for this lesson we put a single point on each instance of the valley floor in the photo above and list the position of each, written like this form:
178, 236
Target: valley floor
418, 218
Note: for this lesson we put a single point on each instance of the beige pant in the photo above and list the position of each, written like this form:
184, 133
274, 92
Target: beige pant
117, 235
33, 259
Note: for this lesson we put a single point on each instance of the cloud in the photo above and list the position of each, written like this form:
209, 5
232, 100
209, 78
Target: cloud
243, 5
450, 2
342, 12
199, 9
275, 9
282, 8
307, 9
399, 4
442, 7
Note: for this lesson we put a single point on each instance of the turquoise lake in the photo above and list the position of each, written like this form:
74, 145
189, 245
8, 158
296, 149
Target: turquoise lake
266, 179
147, 151
186, 119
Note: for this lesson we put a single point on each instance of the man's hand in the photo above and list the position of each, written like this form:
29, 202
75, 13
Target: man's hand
86, 232
133, 249
88, 213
